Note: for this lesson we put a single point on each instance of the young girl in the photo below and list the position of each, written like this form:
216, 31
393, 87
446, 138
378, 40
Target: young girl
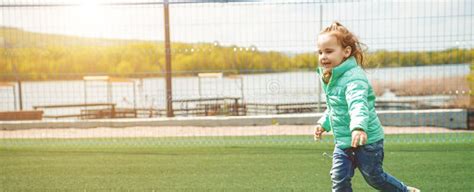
350, 113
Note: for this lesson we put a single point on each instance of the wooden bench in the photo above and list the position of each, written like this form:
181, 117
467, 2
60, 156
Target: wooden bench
284, 108
110, 107
107, 113
21, 115
210, 106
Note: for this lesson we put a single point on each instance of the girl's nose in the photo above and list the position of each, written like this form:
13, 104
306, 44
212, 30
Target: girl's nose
323, 56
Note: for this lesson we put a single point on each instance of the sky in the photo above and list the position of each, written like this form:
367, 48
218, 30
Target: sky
287, 26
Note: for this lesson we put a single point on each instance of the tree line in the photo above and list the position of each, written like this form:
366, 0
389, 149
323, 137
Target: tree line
148, 58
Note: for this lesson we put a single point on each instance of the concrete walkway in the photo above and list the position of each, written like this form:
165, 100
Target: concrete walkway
447, 118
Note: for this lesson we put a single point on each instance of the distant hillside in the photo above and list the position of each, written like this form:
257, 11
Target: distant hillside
38, 56
14, 37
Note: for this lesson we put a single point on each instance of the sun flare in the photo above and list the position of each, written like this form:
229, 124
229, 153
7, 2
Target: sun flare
89, 18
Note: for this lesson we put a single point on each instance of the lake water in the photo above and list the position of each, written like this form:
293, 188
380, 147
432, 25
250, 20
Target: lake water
289, 87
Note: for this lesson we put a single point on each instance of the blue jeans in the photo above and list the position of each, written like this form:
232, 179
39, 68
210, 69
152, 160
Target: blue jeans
368, 158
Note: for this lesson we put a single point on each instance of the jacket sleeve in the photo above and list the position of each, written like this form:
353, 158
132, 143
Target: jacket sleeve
324, 120
357, 103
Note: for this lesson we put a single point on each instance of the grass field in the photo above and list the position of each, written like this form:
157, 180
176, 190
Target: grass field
224, 164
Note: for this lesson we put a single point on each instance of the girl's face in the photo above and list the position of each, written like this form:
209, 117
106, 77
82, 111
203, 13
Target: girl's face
331, 53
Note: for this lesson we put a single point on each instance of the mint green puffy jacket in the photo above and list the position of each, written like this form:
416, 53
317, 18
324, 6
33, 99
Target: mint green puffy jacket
350, 104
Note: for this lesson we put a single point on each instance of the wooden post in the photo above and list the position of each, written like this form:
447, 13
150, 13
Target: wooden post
20, 95
236, 106
169, 96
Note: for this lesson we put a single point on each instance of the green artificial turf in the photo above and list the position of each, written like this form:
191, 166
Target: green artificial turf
232, 164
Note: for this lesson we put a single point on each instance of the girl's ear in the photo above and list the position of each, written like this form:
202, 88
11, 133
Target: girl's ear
347, 51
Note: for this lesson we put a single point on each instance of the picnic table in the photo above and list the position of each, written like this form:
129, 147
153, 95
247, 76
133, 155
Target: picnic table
109, 111
210, 106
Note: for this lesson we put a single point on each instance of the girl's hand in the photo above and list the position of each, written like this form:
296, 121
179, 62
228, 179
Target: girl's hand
318, 132
359, 137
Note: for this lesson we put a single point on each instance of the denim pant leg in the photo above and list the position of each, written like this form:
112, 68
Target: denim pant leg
342, 170
369, 160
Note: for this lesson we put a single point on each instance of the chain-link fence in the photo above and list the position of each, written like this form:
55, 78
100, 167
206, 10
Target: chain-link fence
69, 60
